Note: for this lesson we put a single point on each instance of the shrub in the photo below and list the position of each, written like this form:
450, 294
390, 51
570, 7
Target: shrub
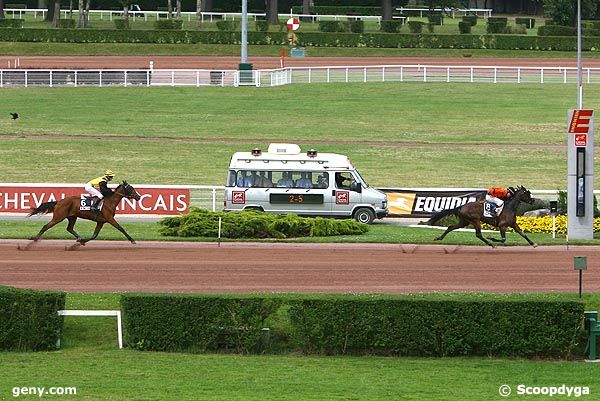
424, 325
228, 25
194, 323
66, 23
464, 27
169, 24
262, 26
11, 23
435, 19
516, 30
29, 320
471, 19
391, 26
122, 23
252, 224
430, 27
415, 26
528, 22
557, 30
357, 26
331, 26
496, 27
502, 20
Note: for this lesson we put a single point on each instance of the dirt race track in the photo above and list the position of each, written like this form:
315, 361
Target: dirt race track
283, 267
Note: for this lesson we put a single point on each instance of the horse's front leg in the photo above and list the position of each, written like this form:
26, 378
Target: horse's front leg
502, 234
99, 225
522, 234
116, 225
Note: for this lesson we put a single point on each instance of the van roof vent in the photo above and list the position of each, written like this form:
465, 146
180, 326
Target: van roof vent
284, 148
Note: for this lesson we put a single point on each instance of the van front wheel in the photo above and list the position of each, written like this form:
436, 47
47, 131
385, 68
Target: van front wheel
364, 215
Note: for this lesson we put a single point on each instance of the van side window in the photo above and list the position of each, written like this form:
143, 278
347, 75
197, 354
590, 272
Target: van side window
344, 181
304, 181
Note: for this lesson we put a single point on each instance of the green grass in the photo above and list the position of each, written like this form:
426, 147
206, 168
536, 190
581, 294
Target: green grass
378, 233
90, 362
397, 134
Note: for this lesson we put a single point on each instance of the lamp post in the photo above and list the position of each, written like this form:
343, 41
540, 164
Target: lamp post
244, 32
579, 72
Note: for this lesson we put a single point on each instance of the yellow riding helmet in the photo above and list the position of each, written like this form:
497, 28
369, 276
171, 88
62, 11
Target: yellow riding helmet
109, 173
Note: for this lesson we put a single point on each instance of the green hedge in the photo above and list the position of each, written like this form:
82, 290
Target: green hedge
139, 36
457, 41
435, 19
464, 27
339, 10
11, 23
29, 319
253, 224
332, 26
414, 325
228, 25
66, 23
391, 26
194, 323
528, 22
471, 19
415, 26
487, 325
121, 23
168, 24
262, 26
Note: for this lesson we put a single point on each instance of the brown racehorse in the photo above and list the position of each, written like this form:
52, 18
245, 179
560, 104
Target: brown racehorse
68, 208
472, 214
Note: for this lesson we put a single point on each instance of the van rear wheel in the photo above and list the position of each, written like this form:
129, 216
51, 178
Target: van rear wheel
364, 215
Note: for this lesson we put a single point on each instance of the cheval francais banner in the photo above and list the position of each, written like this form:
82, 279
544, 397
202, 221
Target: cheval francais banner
410, 203
21, 198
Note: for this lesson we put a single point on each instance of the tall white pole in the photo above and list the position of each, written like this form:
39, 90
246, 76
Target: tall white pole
244, 31
579, 72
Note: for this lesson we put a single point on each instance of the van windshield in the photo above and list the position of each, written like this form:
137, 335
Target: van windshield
361, 179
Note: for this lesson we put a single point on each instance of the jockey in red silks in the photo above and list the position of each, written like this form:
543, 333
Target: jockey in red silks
496, 196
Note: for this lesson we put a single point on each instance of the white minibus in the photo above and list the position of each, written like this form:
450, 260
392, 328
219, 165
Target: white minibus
286, 180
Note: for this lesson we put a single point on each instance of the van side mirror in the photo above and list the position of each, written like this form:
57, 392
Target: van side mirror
356, 187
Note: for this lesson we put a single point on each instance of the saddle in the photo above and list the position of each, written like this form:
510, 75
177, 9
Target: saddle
86, 202
490, 209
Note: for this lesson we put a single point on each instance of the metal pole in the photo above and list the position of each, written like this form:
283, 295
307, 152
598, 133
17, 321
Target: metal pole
580, 281
579, 83
244, 31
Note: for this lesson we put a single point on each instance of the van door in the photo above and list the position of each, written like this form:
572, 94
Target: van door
298, 192
346, 192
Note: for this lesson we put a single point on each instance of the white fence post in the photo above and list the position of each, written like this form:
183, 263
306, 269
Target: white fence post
51, 78
26, 78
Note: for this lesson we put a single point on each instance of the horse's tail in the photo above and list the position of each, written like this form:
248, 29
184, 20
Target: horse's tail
443, 213
42, 209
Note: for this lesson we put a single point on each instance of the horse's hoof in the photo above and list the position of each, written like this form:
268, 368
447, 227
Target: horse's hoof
133, 242
437, 239
33, 238
534, 245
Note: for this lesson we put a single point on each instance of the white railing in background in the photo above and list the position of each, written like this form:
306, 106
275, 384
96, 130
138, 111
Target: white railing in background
452, 12
304, 75
185, 15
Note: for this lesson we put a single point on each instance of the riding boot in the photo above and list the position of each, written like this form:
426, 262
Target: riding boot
96, 204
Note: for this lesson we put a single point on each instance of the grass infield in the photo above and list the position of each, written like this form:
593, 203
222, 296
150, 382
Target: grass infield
397, 134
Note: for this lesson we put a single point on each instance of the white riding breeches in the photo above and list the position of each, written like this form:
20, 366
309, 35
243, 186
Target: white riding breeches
499, 202
93, 191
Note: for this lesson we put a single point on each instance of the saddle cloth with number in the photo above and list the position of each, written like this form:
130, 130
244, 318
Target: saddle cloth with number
86, 201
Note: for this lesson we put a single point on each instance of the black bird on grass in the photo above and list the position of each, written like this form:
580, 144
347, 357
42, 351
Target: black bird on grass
14, 115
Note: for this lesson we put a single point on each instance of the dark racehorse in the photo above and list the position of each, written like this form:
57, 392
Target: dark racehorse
68, 208
472, 214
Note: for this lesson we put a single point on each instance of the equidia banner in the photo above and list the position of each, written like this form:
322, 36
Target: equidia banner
21, 198
411, 203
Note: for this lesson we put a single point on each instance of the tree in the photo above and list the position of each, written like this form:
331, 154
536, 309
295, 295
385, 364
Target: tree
56, 13
198, 13
178, 8
126, 4
81, 8
169, 8
1, 9
306, 4
564, 12
272, 12
386, 10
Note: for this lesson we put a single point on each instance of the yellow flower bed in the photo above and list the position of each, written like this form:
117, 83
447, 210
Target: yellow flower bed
544, 224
